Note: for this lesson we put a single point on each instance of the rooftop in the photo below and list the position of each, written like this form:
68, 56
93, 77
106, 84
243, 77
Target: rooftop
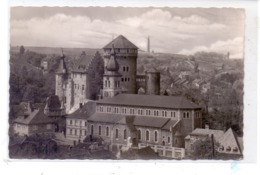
62, 66
155, 122
84, 112
36, 117
157, 101
84, 61
120, 42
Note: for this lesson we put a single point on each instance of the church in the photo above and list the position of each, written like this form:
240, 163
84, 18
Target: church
119, 114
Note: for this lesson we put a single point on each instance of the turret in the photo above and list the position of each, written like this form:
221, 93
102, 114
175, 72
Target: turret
61, 77
152, 81
112, 78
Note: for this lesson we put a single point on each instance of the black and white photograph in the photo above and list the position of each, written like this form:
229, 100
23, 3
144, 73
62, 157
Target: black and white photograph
126, 83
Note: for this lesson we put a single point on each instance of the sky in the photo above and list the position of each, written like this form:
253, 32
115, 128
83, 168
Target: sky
171, 30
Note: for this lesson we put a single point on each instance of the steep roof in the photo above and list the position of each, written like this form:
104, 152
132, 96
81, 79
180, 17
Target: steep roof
159, 101
83, 63
121, 43
36, 117
229, 139
62, 66
85, 112
53, 102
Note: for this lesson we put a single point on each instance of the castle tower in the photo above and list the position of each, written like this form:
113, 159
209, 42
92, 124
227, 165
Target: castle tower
148, 44
126, 56
111, 79
152, 80
61, 77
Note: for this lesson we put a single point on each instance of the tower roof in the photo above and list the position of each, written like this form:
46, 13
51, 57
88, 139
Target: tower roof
112, 64
62, 69
120, 43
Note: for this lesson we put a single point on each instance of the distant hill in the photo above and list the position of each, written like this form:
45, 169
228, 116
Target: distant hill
73, 52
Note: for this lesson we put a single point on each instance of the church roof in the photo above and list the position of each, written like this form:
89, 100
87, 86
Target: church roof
62, 66
143, 121
157, 101
84, 61
121, 43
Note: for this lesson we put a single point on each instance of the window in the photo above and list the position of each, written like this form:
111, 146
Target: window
155, 136
147, 135
85, 132
92, 129
124, 68
169, 139
108, 83
139, 134
235, 149
105, 83
124, 133
70, 122
70, 131
188, 115
125, 79
184, 114
85, 123
122, 79
99, 130
221, 148
128, 79
127, 69
76, 132
228, 149
107, 131
82, 87
116, 133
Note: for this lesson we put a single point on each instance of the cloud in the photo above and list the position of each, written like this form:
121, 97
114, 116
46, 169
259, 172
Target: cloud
168, 32
234, 47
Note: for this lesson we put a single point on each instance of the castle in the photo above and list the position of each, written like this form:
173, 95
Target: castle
94, 77
120, 113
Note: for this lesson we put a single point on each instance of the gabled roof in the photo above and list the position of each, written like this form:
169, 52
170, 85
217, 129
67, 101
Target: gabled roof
83, 63
159, 101
85, 112
229, 139
36, 117
120, 43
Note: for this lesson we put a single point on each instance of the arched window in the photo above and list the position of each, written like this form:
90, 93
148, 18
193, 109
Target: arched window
155, 136
184, 114
107, 131
99, 130
139, 134
116, 133
188, 115
124, 133
92, 129
147, 135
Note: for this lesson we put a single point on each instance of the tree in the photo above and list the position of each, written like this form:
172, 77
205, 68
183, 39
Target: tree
205, 148
22, 49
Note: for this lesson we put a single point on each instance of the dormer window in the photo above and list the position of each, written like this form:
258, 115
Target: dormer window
228, 149
221, 148
235, 149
